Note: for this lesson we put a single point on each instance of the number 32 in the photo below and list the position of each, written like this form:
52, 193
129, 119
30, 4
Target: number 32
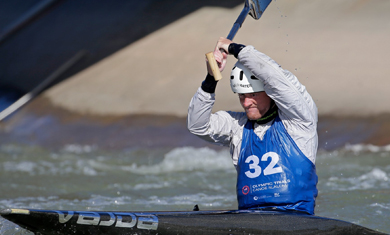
253, 161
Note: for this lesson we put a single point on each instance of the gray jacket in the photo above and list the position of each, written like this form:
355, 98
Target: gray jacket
297, 109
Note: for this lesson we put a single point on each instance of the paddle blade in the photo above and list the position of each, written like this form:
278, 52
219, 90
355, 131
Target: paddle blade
257, 7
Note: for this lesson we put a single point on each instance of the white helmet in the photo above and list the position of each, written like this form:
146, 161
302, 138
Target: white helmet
243, 81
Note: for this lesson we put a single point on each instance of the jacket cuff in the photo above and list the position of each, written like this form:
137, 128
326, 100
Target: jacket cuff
235, 48
209, 84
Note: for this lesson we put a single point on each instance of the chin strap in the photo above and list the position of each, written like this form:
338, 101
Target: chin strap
269, 115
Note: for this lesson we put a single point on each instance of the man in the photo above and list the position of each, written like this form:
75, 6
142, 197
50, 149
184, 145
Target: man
274, 142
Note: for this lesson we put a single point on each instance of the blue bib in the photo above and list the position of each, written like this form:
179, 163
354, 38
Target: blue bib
273, 173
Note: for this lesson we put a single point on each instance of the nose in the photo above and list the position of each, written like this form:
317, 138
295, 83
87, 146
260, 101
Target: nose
246, 102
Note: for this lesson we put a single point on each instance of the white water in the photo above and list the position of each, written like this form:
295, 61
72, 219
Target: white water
353, 185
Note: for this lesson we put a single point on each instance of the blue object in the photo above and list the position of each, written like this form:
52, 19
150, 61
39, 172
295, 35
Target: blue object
273, 173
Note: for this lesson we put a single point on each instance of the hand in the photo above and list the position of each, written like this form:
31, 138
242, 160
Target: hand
221, 52
223, 45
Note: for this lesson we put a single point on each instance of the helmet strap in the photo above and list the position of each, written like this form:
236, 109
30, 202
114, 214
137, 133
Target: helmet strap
269, 115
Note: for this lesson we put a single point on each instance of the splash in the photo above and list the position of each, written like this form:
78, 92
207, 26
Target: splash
375, 179
187, 159
359, 148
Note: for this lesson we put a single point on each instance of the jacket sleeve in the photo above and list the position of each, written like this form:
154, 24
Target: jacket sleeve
297, 109
215, 128
281, 85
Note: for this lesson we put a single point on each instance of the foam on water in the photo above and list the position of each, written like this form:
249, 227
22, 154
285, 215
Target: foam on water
58, 167
375, 179
358, 148
187, 159
79, 149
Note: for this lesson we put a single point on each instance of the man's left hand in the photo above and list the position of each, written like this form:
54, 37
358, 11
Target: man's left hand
221, 52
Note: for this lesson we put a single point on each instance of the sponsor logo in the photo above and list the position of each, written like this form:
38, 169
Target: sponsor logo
117, 219
241, 85
245, 190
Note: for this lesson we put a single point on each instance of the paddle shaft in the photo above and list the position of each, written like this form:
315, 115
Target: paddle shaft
253, 7
236, 26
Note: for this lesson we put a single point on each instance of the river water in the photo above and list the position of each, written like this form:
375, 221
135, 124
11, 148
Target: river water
353, 185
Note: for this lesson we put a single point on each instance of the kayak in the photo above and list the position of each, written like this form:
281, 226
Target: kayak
48, 222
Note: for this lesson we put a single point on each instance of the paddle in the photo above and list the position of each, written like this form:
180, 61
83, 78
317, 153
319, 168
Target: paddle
255, 8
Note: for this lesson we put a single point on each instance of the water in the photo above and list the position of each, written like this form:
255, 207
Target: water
354, 181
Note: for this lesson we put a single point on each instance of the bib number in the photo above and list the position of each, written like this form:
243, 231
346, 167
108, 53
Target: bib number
255, 169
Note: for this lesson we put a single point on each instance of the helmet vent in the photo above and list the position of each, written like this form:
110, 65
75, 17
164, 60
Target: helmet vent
241, 75
254, 78
232, 77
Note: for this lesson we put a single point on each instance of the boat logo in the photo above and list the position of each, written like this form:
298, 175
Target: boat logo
245, 190
120, 219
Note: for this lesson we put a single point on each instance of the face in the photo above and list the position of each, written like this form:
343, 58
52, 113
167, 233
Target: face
255, 104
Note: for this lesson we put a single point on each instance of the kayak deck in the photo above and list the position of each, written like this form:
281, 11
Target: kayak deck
48, 222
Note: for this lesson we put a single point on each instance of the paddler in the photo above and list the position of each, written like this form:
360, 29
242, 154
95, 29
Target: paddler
273, 143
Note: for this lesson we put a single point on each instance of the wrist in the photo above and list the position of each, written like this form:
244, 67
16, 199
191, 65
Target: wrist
234, 49
209, 84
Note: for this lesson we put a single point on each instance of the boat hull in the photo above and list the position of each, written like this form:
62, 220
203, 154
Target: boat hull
50, 222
